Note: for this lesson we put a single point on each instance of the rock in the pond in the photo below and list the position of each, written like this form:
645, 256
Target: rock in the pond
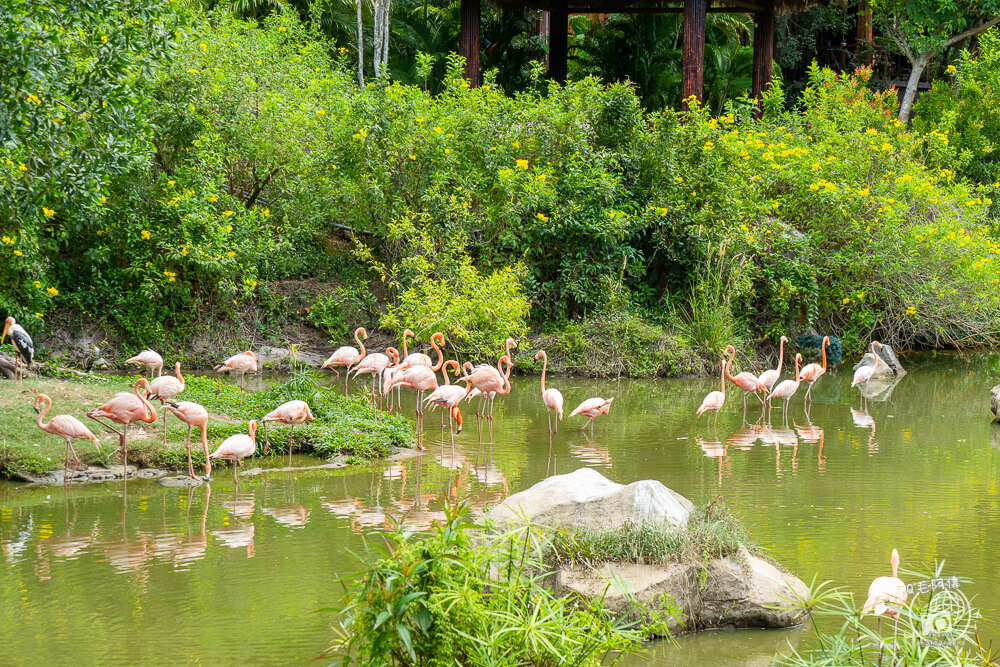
180, 481
741, 592
887, 364
150, 473
995, 402
585, 499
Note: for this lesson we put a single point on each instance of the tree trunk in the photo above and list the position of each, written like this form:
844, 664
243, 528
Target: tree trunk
361, 46
919, 64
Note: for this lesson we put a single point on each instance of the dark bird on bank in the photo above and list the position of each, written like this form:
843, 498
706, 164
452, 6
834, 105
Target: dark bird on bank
22, 342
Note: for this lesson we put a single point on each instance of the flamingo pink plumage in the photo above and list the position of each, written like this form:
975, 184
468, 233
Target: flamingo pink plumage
812, 372
489, 381
420, 379
592, 408
769, 377
242, 363
347, 356
193, 415
374, 363
786, 389
292, 412
551, 397
716, 399
865, 373
166, 387
124, 409
149, 360
448, 397
746, 382
65, 426
419, 358
886, 594
237, 447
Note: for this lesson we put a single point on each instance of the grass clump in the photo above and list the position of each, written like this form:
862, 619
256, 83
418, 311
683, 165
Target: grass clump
454, 599
711, 532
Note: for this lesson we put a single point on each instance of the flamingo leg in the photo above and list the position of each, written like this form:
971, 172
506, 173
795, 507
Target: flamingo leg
290, 444
266, 441
204, 444
187, 444
346, 375
164, 423
548, 413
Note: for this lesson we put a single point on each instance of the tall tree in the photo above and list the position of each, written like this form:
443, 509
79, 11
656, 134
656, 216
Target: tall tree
924, 28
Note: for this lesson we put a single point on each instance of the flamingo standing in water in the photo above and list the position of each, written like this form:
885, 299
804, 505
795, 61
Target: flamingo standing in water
716, 399
786, 389
292, 412
149, 360
812, 372
746, 382
347, 356
124, 409
242, 363
387, 373
22, 343
886, 594
65, 426
488, 381
448, 397
237, 447
551, 397
375, 363
865, 373
769, 377
419, 358
592, 408
193, 415
166, 387
420, 379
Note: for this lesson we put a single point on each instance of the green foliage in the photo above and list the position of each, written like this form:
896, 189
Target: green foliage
458, 597
711, 532
925, 25
439, 289
963, 107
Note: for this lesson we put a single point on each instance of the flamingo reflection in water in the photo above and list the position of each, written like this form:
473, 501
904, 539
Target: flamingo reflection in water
862, 419
238, 535
812, 434
715, 449
194, 545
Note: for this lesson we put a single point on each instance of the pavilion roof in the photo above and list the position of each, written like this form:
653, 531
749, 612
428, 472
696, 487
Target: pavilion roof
660, 6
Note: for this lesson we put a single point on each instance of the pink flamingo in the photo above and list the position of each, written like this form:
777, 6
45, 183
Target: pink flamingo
551, 397
716, 399
746, 382
786, 389
65, 426
592, 408
149, 360
420, 379
489, 381
387, 374
347, 356
769, 377
812, 372
193, 415
292, 412
237, 447
166, 387
242, 363
374, 363
419, 358
886, 594
448, 397
124, 409
865, 373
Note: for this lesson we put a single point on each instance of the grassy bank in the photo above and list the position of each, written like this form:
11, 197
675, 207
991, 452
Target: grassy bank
343, 426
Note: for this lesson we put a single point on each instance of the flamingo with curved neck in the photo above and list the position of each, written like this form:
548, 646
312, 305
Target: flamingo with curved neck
714, 401
746, 382
786, 389
125, 409
551, 397
65, 426
812, 372
769, 377
347, 356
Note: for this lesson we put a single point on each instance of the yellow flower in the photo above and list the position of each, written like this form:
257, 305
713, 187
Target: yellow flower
192, 70
171, 276
320, 112
662, 211
541, 177
847, 300
911, 310
38, 316
144, 234
229, 228
516, 144
542, 217
872, 131
184, 250
523, 164
38, 284
814, 186
864, 192
22, 167
203, 47
212, 198
815, 166
951, 69
18, 253
48, 212
52, 292
104, 38
447, 150
230, 254
412, 156
438, 130
679, 179
34, 99
226, 214
171, 183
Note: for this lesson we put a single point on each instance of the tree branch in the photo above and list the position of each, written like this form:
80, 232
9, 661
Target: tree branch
971, 32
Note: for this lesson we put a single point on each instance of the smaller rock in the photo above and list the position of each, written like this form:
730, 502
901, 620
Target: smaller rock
995, 402
150, 473
271, 355
100, 364
180, 481
887, 365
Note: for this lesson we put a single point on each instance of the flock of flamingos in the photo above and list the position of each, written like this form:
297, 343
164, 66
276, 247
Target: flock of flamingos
415, 371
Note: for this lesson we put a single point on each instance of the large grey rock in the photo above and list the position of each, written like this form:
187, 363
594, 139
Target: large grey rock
743, 592
585, 499
995, 402
887, 364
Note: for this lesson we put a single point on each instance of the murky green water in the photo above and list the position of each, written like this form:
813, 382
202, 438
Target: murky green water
143, 574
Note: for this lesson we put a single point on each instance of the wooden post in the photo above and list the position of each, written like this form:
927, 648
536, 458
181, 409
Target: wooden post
468, 40
864, 24
763, 51
693, 56
558, 40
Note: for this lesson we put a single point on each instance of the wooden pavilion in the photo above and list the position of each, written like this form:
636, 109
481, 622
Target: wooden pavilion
694, 11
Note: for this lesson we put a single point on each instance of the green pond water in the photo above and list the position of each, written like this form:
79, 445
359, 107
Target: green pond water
141, 574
